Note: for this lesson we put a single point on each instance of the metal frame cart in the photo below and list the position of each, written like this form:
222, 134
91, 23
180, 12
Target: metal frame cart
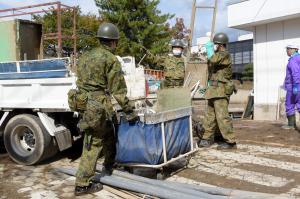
168, 122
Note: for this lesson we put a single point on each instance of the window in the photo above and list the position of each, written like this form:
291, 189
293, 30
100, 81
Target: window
238, 58
246, 57
232, 57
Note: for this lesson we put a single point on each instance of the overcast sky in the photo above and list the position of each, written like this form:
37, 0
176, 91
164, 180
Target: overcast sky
181, 8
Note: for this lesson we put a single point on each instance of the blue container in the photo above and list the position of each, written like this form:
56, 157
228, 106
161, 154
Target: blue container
142, 143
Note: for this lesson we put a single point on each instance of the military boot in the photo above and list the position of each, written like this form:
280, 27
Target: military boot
291, 123
93, 187
226, 146
205, 143
107, 170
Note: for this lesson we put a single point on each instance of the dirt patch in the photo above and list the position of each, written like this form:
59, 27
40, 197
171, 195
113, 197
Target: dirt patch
256, 133
223, 181
284, 158
295, 176
9, 189
265, 132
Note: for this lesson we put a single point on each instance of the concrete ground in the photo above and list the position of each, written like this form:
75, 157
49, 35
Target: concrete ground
267, 161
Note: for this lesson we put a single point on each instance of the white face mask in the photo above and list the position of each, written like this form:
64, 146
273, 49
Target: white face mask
177, 52
216, 47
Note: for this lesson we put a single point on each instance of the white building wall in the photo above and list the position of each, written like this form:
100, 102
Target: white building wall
275, 23
270, 61
257, 12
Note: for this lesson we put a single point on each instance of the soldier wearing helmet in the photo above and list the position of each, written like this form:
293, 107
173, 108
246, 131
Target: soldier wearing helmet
220, 87
173, 65
99, 77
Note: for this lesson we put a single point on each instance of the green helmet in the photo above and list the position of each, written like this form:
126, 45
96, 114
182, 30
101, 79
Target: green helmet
108, 31
178, 43
220, 38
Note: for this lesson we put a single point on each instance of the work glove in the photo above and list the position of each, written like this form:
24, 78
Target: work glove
202, 91
209, 49
295, 89
130, 114
132, 118
129, 107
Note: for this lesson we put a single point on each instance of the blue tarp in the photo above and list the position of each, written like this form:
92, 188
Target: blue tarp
55, 64
142, 143
34, 75
8, 67
34, 69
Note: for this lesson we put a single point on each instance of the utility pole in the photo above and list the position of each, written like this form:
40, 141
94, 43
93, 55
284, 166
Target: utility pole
59, 33
194, 10
192, 26
213, 25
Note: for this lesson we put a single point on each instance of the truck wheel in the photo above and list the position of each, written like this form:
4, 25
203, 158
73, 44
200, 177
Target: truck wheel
27, 141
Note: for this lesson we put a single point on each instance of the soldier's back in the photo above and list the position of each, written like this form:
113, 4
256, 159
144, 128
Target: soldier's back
91, 69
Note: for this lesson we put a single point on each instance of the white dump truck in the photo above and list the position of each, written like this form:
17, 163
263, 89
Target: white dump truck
35, 119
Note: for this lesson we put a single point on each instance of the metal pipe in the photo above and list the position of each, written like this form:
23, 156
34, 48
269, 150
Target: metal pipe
140, 187
75, 39
59, 39
56, 37
168, 185
66, 6
215, 192
50, 34
191, 133
192, 26
164, 142
205, 7
158, 166
28, 13
28, 7
135, 186
213, 24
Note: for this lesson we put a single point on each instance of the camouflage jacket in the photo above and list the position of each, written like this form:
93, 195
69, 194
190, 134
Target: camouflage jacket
172, 66
100, 76
220, 75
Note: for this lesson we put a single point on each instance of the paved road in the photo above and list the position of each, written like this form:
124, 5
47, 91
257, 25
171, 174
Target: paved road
257, 168
264, 165
17, 181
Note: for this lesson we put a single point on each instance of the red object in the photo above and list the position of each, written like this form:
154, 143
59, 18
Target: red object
147, 88
158, 74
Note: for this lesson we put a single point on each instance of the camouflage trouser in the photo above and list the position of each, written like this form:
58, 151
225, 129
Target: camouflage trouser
95, 142
217, 116
172, 83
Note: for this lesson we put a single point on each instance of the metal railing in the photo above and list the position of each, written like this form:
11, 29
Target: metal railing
56, 7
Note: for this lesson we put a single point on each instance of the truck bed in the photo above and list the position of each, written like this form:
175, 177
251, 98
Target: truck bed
38, 84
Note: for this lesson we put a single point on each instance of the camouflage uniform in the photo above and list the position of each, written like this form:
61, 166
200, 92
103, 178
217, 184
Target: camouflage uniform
99, 77
218, 94
174, 72
173, 68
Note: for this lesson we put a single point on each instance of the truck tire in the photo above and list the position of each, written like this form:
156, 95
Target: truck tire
26, 140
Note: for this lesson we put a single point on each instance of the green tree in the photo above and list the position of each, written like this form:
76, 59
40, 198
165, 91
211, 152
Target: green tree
86, 28
248, 72
142, 26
